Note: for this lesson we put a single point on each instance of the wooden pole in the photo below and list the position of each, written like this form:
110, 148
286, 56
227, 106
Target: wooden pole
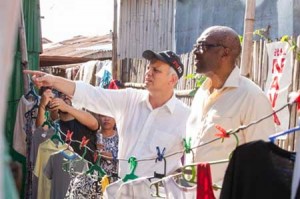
115, 42
248, 35
23, 47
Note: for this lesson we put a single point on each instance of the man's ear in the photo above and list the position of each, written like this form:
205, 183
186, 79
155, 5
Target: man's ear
226, 52
174, 79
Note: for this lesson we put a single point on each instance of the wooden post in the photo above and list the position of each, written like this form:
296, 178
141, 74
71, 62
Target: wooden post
115, 42
248, 35
23, 47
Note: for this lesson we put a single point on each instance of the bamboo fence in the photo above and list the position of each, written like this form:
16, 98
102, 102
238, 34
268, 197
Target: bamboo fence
133, 70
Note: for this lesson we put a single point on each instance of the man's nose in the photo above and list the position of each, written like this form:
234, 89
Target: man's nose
195, 51
149, 71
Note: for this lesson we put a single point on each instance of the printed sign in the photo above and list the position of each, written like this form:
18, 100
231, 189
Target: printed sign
279, 79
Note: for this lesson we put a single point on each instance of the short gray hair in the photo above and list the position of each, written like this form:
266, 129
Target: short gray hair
172, 71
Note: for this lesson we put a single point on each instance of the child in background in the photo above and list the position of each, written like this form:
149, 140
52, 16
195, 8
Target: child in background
107, 144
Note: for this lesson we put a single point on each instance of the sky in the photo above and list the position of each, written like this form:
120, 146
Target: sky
63, 19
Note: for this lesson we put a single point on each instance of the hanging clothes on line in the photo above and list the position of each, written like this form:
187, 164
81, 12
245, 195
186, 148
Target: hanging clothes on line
258, 169
125, 191
133, 189
84, 186
60, 169
45, 150
19, 139
174, 190
39, 136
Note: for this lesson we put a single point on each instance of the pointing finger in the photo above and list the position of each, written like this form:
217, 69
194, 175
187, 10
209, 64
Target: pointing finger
34, 72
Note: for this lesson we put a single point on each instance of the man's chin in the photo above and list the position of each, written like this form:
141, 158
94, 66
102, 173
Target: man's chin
147, 84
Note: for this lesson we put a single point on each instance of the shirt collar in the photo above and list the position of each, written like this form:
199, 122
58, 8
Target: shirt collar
170, 104
232, 80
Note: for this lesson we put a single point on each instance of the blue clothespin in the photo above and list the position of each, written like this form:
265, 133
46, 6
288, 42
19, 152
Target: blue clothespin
160, 155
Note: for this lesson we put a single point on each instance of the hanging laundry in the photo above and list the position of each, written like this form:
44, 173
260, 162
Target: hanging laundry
45, 150
59, 175
258, 170
296, 175
135, 189
19, 140
39, 136
115, 84
112, 189
104, 182
84, 186
105, 74
204, 182
132, 189
86, 72
173, 190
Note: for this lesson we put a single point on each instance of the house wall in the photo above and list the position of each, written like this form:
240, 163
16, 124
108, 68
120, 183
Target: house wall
145, 24
193, 16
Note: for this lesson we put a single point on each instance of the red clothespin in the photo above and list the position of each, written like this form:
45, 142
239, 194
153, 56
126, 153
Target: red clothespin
295, 98
84, 142
95, 156
223, 133
69, 136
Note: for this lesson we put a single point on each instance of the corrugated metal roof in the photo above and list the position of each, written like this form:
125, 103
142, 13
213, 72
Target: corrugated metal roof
143, 25
79, 46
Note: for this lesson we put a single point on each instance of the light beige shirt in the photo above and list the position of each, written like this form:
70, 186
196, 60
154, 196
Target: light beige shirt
239, 102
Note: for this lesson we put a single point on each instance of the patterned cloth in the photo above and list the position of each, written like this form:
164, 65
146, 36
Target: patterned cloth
111, 145
84, 187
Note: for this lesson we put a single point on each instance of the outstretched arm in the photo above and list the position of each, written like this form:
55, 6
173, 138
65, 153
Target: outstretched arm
85, 118
59, 83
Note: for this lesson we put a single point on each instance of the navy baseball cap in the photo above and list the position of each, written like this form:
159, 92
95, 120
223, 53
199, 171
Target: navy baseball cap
168, 57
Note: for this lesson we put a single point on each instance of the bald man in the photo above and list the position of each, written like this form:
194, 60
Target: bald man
226, 98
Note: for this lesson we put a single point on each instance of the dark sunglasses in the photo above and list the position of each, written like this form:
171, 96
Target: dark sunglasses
203, 46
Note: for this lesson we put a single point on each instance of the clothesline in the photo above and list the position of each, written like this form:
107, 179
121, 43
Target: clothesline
229, 132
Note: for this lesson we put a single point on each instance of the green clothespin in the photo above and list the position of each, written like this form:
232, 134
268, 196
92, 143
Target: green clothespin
47, 122
84, 153
237, 140
187, 145
133, 164
96, 167
56, 135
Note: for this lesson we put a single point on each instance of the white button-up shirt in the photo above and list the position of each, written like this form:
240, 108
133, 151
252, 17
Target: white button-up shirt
238, 102
141, 128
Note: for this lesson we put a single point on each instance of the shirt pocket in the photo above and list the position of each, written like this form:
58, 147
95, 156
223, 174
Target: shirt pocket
225, 121
162, 139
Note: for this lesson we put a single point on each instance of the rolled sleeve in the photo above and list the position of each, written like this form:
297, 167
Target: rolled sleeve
99, 100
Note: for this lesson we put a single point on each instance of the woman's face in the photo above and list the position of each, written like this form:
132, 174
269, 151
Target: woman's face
107, 123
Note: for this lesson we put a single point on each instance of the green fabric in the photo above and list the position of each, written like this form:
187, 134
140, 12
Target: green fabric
15, 93
9, 187
32, 25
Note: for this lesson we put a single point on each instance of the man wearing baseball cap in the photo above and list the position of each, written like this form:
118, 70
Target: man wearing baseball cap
146, 119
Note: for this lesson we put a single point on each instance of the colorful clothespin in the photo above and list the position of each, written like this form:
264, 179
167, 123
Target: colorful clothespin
96, 156
84, 142
133, 164
56, 127
223, 133
160, 155
47, 121
69, 136
295, 98
187, 145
